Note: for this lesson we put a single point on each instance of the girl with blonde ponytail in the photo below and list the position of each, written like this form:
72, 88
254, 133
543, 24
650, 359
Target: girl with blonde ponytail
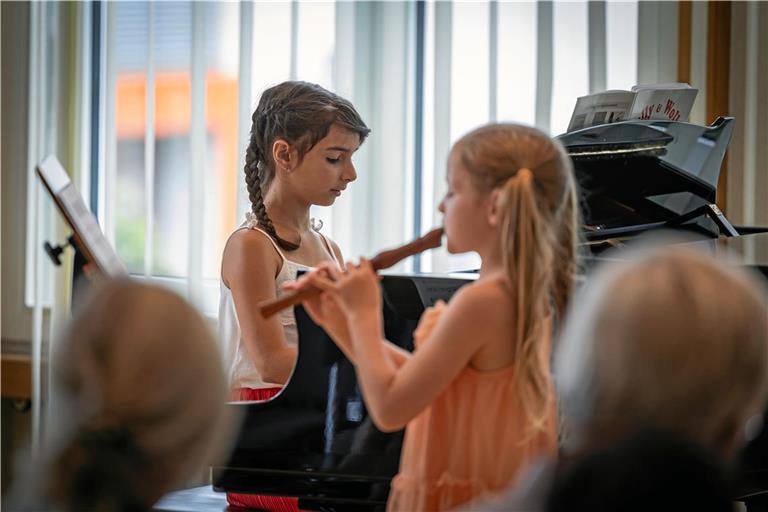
476, 394
299, 154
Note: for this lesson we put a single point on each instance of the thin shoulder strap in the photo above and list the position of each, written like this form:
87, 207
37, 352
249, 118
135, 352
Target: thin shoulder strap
329, 249
274, 244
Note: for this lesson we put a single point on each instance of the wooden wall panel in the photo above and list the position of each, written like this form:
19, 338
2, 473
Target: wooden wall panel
718, 77
684, 42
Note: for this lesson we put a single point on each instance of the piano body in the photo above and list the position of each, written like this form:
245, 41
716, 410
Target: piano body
641, 175
315, 441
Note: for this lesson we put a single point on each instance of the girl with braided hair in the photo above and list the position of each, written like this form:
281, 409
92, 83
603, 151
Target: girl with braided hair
300, 154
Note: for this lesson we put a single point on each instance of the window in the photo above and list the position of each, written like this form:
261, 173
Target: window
182, 79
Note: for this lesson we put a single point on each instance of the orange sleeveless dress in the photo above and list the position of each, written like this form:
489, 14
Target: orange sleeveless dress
471, 442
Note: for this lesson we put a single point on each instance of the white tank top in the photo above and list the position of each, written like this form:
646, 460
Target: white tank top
241, 371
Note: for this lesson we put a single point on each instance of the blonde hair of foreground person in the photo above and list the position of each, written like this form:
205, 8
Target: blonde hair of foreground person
143, 393
672, 339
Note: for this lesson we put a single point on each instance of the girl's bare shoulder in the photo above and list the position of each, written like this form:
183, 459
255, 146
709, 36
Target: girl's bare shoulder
491, 289
252, 241
483, 299
246, 250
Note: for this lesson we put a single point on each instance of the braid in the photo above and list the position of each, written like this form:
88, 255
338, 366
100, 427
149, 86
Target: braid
256, 195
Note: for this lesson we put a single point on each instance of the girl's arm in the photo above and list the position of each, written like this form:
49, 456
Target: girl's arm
396, 394
249, 267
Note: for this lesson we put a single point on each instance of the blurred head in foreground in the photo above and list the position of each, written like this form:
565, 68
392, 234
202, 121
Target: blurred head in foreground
672, 339
647, 470
141, 400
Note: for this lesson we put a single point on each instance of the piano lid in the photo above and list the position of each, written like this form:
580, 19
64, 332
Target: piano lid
637, 173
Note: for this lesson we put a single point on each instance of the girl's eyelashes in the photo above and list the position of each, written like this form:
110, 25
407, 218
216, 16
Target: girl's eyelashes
333, 160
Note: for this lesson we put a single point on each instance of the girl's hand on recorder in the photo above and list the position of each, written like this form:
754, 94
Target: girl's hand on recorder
322, 308
356, 291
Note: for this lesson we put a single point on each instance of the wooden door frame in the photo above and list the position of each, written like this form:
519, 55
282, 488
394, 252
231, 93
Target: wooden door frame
718, 68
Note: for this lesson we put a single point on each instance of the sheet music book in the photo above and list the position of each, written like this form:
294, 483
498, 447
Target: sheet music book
670, 102
89, 238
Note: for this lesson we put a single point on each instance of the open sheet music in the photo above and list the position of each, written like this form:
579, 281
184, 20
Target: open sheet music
670, 102
88, 235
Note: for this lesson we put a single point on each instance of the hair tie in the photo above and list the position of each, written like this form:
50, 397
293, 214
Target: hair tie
523, 174
251, 220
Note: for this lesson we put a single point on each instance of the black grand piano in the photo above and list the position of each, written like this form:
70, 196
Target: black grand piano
315, 440
641, 175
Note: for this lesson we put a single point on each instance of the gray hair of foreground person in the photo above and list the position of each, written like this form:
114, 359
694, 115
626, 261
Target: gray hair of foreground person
143, 395
674, 339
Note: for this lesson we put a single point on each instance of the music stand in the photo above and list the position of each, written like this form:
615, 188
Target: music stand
89, 242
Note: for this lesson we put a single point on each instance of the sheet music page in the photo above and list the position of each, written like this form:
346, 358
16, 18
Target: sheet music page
668, 104
601, 108
80, 217
90, 232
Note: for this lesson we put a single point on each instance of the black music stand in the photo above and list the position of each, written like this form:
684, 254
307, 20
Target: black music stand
87, 240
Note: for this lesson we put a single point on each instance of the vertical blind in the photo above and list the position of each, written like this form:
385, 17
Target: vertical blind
183, 78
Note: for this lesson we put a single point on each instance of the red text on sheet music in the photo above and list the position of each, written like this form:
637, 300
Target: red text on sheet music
672, 113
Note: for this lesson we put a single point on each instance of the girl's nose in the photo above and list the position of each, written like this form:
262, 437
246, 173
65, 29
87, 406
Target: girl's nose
441, 206
350, 174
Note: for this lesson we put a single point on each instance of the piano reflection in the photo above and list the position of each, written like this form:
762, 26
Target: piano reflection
315, 441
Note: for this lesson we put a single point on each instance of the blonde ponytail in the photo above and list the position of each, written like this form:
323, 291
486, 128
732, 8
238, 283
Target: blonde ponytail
539, 220
528, 257
566, 251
